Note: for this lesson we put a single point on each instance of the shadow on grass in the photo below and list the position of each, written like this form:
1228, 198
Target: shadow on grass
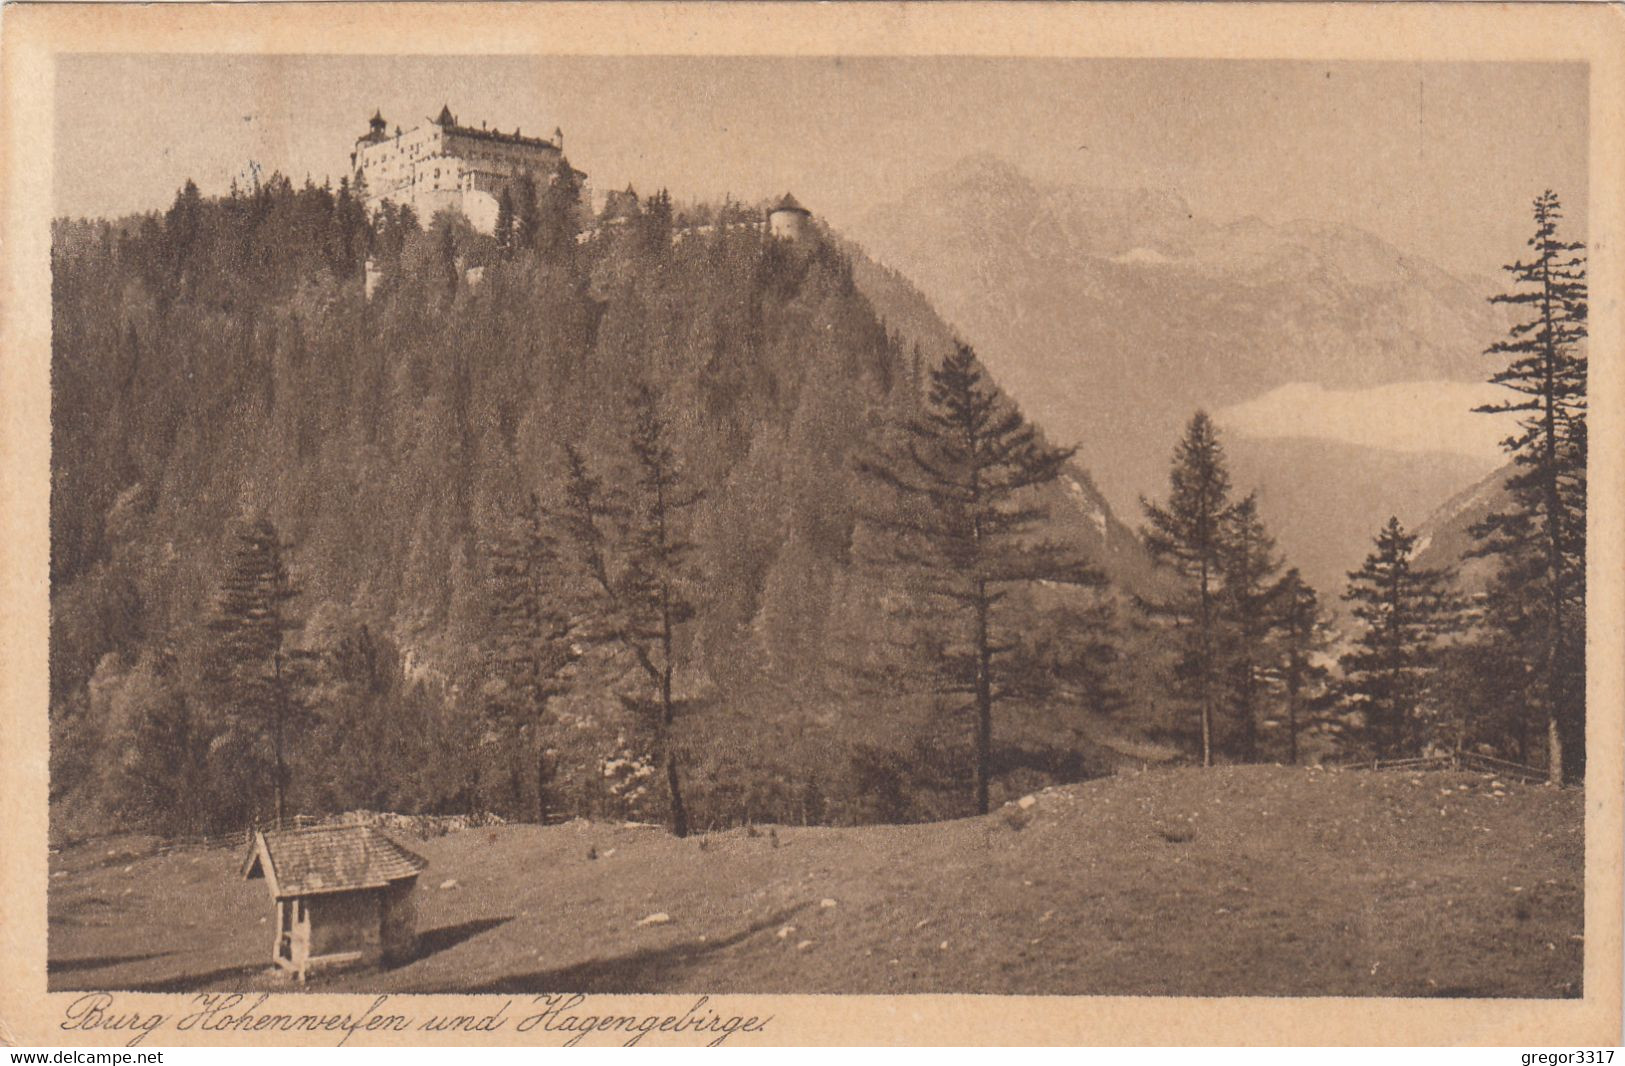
227, 979
242, 978
651, 970
98, 962
435, 941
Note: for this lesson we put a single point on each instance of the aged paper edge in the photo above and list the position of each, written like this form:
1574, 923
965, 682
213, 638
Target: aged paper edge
33, 34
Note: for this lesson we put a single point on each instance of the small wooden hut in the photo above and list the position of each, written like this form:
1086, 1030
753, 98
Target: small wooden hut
343, 895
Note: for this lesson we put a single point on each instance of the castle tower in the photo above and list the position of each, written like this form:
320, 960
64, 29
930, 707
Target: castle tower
788, 220
375, 135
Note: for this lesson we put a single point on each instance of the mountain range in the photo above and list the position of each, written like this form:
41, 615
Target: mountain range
1112, 315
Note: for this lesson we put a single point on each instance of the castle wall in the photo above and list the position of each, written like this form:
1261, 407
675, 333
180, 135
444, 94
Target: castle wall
396, 166
482, 209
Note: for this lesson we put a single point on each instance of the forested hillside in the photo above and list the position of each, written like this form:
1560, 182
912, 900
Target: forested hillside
666, 518
230, 370
1446, 537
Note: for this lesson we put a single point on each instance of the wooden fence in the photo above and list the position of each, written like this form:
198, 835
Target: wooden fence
238, 838
423, 826
1465, 760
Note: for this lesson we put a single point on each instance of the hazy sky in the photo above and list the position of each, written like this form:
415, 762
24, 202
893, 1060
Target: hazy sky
1439, 159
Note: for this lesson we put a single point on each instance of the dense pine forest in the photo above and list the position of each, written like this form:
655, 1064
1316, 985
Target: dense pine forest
652, 516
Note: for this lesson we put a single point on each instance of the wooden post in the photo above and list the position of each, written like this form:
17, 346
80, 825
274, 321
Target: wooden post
278, 934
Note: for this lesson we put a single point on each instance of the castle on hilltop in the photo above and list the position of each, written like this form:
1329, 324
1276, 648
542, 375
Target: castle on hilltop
442, 164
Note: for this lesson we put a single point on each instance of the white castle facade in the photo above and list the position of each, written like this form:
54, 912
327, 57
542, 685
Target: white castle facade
443, 165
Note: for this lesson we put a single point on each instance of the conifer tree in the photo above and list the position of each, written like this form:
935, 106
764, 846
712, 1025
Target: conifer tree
965, 528
257, 681
1403, 611
1248, 569
184, 226
1069, 651
1488, 693
353, 230
359, 690
1540, 542
655, 224
527, 213
504, 231
160, 772
1303, 636
632, 551
530, 644
448, 263
559, 213
1188, 535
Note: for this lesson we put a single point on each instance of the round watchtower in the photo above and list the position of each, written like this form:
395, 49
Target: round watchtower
788, 220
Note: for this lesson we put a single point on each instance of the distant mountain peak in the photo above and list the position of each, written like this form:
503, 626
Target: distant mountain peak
988, 173
982, 167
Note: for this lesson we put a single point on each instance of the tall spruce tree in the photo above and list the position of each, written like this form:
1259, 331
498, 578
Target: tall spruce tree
530, 644
160, 773
558, 214
1489, 692
1248, 569
633, 553
450, 267
1538, 597
1303, 637
1403, 611
1188, 534
965, 526
350, 218
257, 681
527, 213
504, 230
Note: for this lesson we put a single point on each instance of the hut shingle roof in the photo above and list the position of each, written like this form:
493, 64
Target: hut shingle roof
329, 858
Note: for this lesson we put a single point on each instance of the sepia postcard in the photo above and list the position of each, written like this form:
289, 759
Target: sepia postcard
777, 524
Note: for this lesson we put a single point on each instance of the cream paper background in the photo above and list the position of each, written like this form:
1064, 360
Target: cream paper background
32, 35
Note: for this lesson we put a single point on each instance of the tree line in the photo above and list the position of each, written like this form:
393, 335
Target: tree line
1429, 667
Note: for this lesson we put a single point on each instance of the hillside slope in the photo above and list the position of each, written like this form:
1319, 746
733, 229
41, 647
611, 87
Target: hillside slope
1445, 539
1079, 512
1235, 881
1326, 500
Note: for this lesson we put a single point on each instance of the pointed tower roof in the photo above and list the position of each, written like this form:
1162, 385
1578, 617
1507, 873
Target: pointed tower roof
378, 118
446, 118
790, 203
